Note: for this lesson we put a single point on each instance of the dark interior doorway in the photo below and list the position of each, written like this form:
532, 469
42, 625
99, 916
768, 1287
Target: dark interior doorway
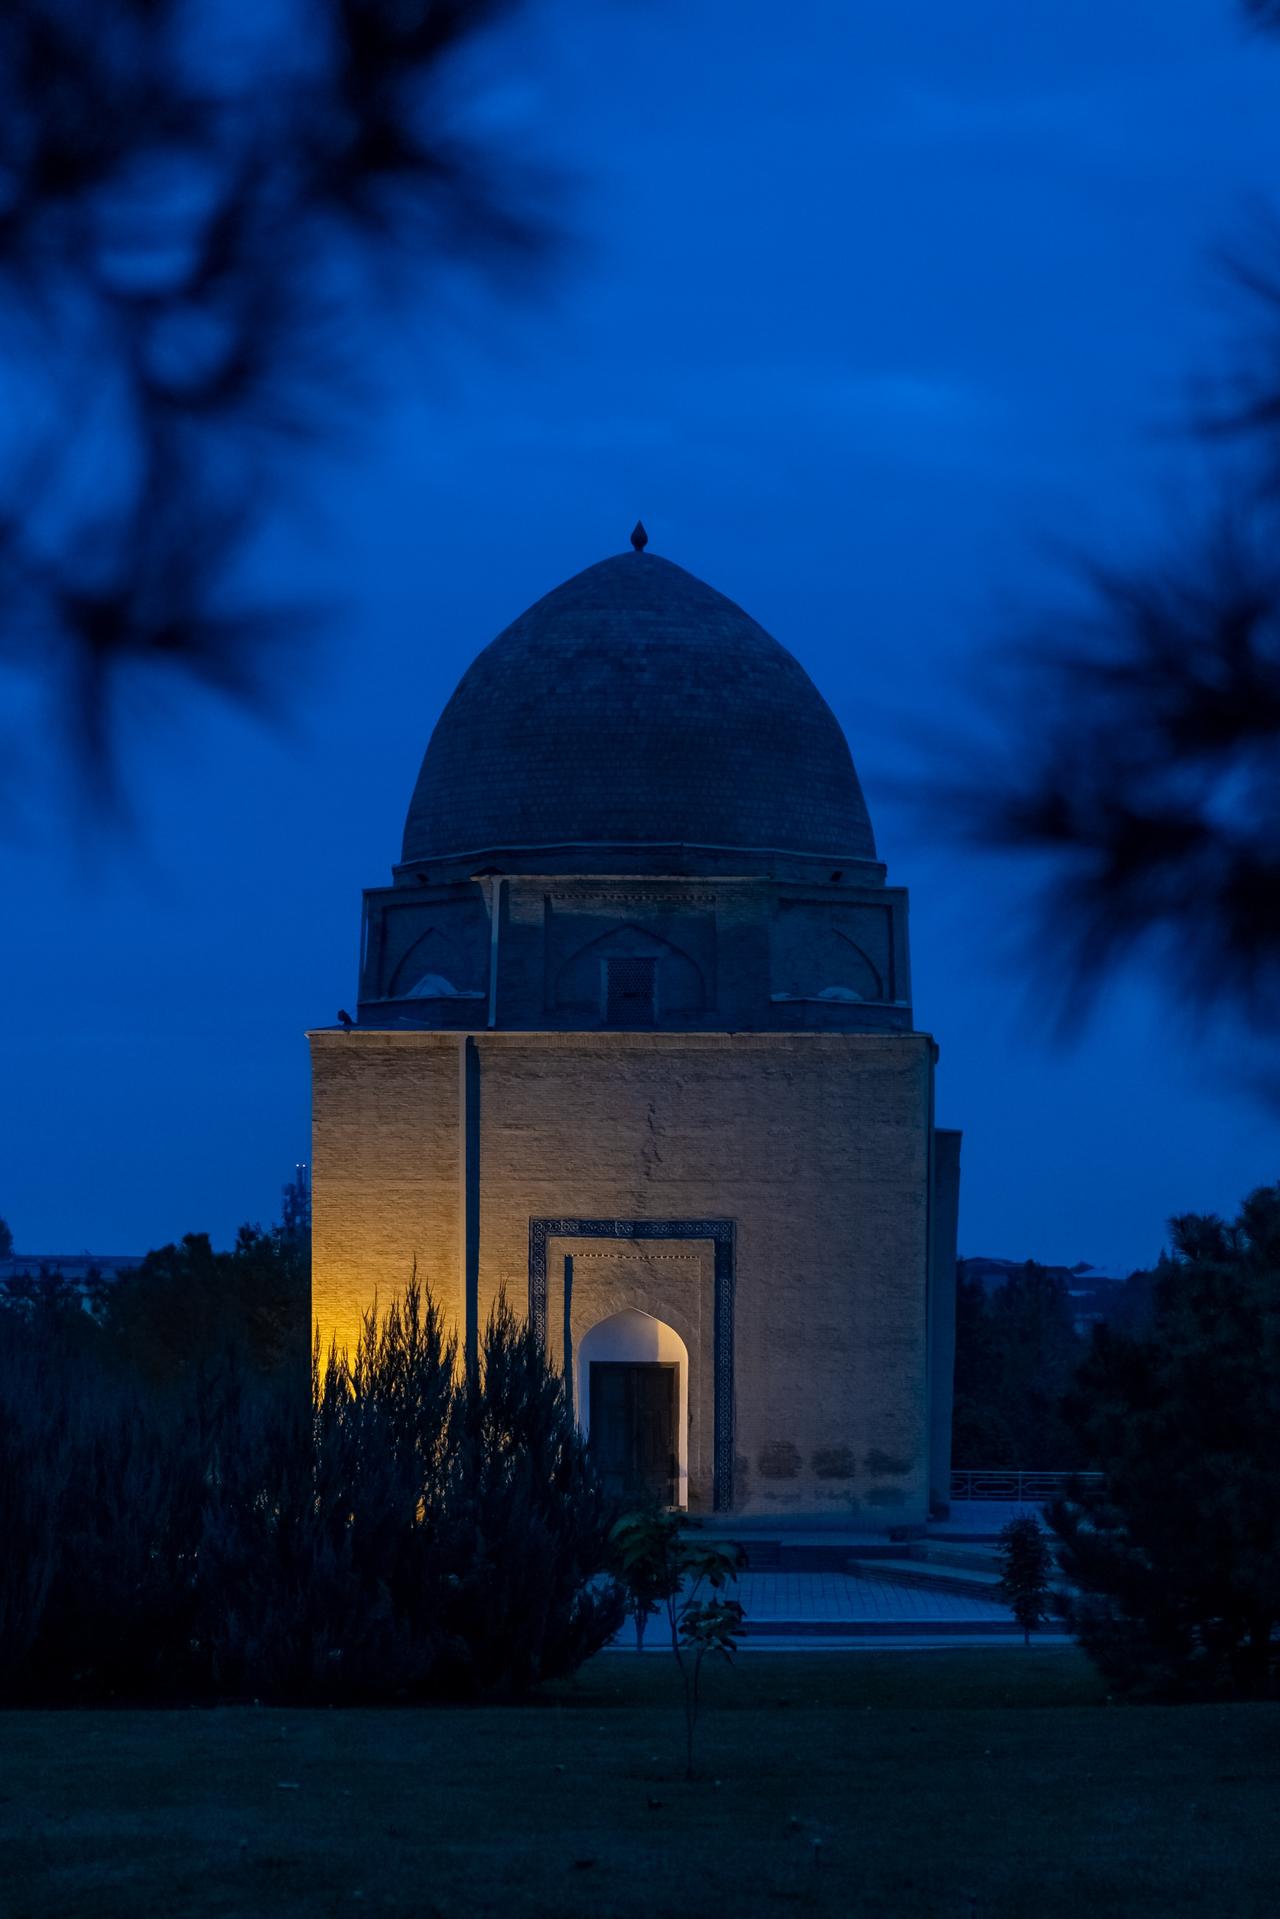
633, 1428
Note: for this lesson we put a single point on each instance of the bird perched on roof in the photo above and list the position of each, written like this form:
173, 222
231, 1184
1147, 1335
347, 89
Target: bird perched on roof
345, 1020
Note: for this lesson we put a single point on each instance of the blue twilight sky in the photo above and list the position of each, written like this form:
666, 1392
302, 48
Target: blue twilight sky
869, 300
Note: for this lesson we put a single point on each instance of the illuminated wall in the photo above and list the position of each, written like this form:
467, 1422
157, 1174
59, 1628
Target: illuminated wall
817, 1147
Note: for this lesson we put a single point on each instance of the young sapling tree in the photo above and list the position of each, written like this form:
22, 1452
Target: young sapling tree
659, 1565
1026, 1573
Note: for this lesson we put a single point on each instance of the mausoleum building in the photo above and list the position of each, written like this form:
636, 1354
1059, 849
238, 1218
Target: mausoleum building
634, 1045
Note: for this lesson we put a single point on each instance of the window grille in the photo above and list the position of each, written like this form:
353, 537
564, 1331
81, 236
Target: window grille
630, 991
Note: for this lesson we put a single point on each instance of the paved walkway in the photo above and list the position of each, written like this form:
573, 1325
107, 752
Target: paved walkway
918, 1640
828, 1611
833, 1598
825, 1610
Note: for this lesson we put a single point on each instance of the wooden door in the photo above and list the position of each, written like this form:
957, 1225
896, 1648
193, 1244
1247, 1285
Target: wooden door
633, 1428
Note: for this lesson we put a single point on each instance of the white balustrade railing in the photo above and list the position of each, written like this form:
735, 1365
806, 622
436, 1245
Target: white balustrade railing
997, 1483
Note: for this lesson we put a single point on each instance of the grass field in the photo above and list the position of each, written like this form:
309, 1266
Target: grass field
985, 1784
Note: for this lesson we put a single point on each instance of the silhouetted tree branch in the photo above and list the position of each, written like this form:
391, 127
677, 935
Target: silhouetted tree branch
1138, 738
198, 217
1141, 753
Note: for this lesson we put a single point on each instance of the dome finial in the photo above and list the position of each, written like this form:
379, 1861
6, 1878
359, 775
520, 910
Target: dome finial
639, 538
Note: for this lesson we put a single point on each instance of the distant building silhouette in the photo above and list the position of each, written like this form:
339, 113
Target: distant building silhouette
76, 1268
1093, 1293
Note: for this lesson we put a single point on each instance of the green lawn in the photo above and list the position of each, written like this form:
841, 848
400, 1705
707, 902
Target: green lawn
974, 1784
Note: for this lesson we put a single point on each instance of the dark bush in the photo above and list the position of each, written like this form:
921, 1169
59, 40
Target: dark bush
527, 1524
35, 1475
409, 1532
1175, 1577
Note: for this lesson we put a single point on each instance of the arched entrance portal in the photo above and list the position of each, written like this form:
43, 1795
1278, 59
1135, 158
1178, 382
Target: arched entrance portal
632, 1389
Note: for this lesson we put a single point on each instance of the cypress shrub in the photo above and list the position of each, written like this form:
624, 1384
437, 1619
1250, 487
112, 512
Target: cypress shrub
413, 1530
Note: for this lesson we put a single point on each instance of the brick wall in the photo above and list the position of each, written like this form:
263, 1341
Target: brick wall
815, 1145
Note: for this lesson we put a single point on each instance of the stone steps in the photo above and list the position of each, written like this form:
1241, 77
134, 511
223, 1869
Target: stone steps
850, 1553
809, 1556
970, 1583
978, 1558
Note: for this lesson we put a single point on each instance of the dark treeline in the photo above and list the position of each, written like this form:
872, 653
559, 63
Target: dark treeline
1175, 1575
183, 1308
1017, 1356
181, 1521
1174, 1571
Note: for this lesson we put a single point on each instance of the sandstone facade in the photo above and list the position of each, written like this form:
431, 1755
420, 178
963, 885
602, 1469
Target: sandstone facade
665, 1097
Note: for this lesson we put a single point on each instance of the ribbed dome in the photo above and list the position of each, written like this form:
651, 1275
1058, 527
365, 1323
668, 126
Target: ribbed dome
635, 706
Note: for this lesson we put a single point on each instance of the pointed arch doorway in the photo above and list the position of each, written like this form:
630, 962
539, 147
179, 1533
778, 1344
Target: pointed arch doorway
703, 1313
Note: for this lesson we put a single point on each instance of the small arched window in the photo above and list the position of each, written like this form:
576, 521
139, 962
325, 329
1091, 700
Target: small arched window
630, 991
